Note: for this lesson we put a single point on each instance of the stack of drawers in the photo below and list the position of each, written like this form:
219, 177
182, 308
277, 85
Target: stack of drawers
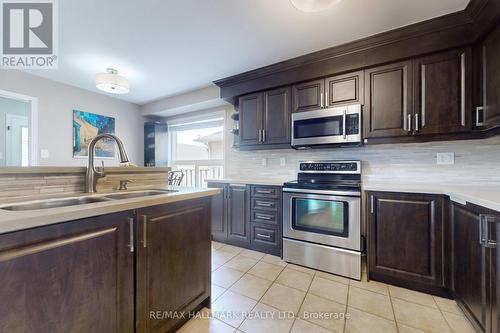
265, 218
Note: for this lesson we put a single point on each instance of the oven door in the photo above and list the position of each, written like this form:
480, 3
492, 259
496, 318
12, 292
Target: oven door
326, 219
327, 126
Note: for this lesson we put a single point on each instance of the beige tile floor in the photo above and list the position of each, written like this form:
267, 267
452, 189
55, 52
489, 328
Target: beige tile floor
257, 293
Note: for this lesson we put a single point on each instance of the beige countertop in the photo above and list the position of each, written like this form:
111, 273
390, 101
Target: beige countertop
19, 220
485, 196
270, 182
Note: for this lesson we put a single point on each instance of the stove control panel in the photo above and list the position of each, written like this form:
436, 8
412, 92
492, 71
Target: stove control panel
330, 167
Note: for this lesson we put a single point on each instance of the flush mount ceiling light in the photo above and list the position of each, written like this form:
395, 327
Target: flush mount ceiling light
310, 6
111, 82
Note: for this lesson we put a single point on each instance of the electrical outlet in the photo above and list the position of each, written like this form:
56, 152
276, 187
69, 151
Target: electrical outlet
445, 158
44, 153
282, 161
264, 162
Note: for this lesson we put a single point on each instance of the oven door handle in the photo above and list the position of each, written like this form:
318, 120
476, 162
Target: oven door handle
323, 192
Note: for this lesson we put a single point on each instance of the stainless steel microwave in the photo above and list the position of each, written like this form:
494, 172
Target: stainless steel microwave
339, 125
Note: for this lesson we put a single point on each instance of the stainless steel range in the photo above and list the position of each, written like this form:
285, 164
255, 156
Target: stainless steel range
322, 217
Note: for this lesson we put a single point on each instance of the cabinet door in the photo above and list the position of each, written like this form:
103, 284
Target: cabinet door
491, 79
443, 93
345, 89
308, 96
173, 263
470, 265
70, 277
405, 240
388, 100
277, 109
250, 120
495, 276
219, 219
238, 226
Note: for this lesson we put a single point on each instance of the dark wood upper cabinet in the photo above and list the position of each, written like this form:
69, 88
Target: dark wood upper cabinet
405, 240
251, 111
490, 80
238, 210
443, 93
308, 96
388, 100
345, 89
173, 262
470, 265
72, 277
277, 111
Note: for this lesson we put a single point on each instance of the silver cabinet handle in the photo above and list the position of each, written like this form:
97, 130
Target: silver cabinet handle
409, 122
264, 204
372, 209
484, 232
480, 116
264, 191
260, 136
263, 217
423, 92
321, 100
417, 122
264, 236
462, 88
263, 135
131, 231
144, 231
344, 125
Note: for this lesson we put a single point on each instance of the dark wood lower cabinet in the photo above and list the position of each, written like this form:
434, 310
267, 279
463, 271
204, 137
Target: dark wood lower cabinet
405, 240
248, 216
237, 221
432, 244
173, 263
475, 264
70, 277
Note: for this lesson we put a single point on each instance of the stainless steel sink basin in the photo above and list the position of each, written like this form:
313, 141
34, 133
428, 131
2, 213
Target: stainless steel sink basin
141, 194
55, 203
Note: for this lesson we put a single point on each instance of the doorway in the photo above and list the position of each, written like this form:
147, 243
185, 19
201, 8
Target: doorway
17, 130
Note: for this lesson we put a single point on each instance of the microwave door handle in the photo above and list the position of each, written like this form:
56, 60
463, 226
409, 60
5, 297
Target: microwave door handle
344, 118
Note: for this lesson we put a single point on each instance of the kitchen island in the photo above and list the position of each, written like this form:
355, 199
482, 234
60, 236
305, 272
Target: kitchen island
136, 264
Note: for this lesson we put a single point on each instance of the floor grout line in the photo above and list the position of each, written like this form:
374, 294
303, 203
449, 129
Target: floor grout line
302, 303
392, 307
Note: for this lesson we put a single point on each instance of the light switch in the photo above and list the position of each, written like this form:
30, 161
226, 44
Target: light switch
445, 158
44, 153
282, 161
264, 162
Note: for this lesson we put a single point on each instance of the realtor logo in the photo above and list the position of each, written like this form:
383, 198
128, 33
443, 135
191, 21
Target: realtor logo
29, 33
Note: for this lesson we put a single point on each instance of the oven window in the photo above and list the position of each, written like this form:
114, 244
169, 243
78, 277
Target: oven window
320, 216
318, 127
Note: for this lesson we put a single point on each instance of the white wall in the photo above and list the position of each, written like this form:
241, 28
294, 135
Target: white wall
56, 102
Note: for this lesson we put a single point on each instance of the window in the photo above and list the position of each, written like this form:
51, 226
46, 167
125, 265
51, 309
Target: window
196, 147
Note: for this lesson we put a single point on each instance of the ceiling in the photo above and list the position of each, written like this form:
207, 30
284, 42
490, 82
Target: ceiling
167, 47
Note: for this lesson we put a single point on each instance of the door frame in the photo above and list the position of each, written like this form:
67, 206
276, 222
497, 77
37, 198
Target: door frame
9, 138
32, 123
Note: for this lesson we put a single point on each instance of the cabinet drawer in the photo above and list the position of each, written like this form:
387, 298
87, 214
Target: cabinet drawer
266, 192
264, 216
264, 235
265, 204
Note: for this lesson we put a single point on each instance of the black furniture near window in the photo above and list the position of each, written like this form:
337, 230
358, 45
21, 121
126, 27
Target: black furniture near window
155, 144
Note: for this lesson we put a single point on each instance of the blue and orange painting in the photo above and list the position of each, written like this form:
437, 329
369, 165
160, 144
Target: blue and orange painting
87, 126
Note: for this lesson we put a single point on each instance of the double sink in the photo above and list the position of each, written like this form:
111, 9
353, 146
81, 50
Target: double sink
84, 200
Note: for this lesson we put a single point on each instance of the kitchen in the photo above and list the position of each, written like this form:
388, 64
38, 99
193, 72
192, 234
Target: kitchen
321, 174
